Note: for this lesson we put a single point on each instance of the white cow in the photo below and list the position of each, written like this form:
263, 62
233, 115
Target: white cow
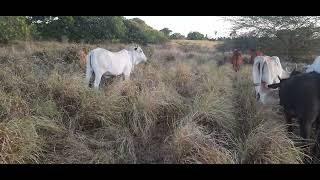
267, 70
101, 61
315, 66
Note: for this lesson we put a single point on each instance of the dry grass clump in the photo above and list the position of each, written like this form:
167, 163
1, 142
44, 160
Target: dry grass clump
260, 136
193, 144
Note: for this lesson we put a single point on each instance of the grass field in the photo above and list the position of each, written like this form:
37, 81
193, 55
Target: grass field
179, 108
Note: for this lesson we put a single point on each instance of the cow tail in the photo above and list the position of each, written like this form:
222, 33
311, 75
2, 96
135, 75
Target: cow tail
89, 71
90, 60
261, 69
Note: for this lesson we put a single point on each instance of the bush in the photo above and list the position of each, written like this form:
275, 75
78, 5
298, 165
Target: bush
195, 36
177, 36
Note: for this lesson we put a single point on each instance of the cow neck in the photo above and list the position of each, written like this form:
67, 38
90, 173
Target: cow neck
285, 74
133, 61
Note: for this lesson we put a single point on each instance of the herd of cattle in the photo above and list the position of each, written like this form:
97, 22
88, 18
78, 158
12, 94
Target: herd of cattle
297, 92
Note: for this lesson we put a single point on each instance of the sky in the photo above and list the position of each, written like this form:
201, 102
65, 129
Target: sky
184, 24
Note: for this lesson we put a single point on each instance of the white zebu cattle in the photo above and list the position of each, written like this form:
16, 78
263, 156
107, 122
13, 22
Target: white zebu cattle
267, 70
315, 66
101, 61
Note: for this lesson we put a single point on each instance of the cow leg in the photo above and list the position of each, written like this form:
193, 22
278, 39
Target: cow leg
305, 128
89, 73
305, 132
289, 122
127, 77
258, 96
306, 123
316, 148
318, 130
97, 81
234, 66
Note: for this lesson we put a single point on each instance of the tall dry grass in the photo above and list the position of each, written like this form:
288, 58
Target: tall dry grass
261, 136
178, 108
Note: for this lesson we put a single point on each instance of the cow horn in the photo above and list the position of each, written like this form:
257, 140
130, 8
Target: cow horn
288, 70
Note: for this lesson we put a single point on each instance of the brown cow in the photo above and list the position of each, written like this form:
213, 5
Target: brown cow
237, 60
254, 54
83, 58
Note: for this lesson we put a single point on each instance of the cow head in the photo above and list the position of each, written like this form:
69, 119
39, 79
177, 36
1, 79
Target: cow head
279, 86
237, 52
268, 96
291, 71
139, 54
265, 71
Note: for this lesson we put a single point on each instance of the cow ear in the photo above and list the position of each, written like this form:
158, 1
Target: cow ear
274, 86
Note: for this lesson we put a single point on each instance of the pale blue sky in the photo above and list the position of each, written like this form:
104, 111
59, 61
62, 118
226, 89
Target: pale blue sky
185, 24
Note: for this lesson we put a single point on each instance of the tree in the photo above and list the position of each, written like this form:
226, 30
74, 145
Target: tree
177, 36
135, 32
270, 25
77, 28
195, 36
286, 33
14, 28
233, 34
166, 32
107, 27
139, 32
40, 19
56, 27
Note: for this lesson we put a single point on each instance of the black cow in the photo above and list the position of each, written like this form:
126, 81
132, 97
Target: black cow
300, 98
294, 72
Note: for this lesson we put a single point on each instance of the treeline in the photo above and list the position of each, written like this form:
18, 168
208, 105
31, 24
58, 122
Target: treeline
191, 35
89, 29
301, 47
292, 38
